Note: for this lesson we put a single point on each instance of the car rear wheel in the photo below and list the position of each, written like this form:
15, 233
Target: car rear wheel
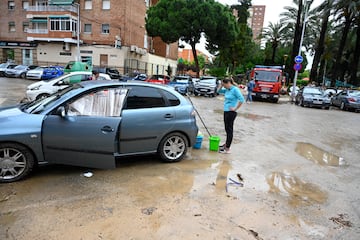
16, 162
173, 147
342, 106
23, 75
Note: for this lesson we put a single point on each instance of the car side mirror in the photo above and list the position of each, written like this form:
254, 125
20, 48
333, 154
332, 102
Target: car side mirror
61, 111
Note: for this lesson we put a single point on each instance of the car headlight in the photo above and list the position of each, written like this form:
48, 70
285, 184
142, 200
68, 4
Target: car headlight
35, 88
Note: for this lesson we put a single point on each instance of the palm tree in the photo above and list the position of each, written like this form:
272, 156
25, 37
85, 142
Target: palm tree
273, 33
288, 18
346, 10
325, 7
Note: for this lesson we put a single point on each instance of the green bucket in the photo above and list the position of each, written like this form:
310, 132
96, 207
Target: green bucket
214, 143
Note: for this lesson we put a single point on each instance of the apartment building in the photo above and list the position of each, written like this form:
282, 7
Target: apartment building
103, 32
256, 20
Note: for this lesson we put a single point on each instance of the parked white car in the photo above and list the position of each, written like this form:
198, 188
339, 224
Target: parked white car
45, 88
36, 73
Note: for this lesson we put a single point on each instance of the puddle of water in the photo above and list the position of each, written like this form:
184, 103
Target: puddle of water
250, 116
298, 191
221, 179
318, 155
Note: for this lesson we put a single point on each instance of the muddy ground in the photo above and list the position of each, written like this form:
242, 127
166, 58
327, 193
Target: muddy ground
300, 170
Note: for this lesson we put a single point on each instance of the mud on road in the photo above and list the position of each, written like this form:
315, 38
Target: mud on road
300, 170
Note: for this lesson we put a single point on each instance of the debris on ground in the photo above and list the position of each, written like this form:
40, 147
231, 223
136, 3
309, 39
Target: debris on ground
341, 220
148, 211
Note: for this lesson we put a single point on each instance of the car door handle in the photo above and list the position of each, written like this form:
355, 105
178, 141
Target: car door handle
168, 116
107, 129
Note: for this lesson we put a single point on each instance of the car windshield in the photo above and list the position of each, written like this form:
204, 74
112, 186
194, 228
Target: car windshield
208, 80
20, 67
39, 68
2, 65
113, 71
354, 94
267, 76
181, 80
37, 106
314, 91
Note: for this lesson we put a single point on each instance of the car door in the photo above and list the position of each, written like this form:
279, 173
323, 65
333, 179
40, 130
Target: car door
87, 134
145, 119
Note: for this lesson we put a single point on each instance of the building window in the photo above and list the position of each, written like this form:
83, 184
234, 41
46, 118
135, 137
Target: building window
87, 28
88, 4
25, 5
25, 26
11, 5
60, 24
105, 28
11, 26
106, 4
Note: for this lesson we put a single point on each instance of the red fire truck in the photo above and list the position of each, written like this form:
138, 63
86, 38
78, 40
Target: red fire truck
268, 82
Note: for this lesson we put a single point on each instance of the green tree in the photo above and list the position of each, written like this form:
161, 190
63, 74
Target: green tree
273, 34
325, 8
294, 18
345, 10
187, 20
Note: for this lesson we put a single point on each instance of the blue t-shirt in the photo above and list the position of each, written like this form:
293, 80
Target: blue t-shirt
232, 97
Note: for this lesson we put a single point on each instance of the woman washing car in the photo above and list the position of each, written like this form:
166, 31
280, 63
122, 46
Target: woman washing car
233, 101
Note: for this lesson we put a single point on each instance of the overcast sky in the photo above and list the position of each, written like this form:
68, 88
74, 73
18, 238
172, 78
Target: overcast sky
273, 7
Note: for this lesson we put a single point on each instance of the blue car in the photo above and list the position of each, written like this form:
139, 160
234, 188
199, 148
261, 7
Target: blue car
183, 84
91, 123
52, 72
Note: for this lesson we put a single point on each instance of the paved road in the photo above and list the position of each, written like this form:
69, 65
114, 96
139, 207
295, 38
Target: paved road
301, 169
12, 90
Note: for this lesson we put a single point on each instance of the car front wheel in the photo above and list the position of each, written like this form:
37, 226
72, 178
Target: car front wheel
173, 147
16, 162
41, 96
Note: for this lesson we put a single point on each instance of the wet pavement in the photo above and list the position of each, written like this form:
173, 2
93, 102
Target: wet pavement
293, 174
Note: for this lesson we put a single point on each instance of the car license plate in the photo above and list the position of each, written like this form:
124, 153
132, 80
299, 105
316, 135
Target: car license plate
203, 90
265, 89
317, 102
264, 96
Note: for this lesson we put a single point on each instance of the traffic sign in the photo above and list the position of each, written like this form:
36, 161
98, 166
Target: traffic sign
299, 59
297, 66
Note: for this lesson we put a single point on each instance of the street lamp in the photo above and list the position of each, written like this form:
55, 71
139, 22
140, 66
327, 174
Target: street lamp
307, 6
78, 31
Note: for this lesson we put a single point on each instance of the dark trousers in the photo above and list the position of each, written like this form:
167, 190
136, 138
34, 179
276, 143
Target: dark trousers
229, 118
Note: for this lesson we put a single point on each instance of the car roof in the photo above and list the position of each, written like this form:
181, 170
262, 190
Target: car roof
104, 83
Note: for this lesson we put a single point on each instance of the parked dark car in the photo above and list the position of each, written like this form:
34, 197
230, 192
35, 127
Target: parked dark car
312, 97
183, 84
19, 71
158, 79
91, 123
112, 72
347, 100
52, 72
6, 66
207, 85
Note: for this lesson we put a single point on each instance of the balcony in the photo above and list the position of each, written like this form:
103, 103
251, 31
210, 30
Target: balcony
52, 8
37, 31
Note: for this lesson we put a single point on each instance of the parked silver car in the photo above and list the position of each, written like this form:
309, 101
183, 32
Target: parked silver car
207, 85
347, 100
5, 66
91, 123
312, 97
19, 71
